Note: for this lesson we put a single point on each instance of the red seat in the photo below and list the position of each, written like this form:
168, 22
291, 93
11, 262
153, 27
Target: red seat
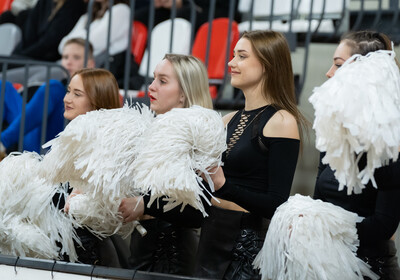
139, 40
5, 5
217, 52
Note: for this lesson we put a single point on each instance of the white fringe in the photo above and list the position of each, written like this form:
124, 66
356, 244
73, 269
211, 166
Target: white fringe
310, 239
30, 224
95, 153
358, 111
179, 146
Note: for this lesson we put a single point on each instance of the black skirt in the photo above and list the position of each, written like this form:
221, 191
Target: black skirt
382, 259
165, 248
229, 243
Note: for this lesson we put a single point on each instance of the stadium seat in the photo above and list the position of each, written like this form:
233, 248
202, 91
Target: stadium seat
217, 54
10, 35
139, 41
5, 5
160, 43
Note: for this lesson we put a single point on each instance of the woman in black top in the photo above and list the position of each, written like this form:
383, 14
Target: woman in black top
263, 143
259, 164
180, 81
380, 207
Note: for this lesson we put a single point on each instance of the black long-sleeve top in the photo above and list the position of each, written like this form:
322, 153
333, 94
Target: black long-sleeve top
258, 176
259, 170
380, 207
41, 35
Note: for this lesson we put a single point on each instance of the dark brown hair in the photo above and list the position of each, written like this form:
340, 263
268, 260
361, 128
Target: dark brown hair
363, 42
101, 87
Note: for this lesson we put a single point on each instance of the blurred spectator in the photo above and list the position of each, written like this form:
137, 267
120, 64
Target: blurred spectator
119, 35
44, 26
72, 60
17, 6
99, 28
202, 7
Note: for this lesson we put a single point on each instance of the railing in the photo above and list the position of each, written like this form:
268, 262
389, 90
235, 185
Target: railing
302, 21
15, 268
48, 66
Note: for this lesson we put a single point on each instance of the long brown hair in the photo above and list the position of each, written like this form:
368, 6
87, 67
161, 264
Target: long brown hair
272, 50
101, 87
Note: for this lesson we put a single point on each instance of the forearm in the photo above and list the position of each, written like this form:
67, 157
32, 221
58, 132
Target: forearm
282, 160
384, 221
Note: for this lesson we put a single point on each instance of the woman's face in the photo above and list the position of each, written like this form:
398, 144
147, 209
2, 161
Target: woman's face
246, 70
164, 91
342, 53
73, 57
76, 101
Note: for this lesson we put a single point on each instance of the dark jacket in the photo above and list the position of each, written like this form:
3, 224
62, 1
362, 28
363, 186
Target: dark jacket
41, 35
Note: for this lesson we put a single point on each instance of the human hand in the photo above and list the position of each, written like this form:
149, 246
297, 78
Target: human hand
72, 194
131, 208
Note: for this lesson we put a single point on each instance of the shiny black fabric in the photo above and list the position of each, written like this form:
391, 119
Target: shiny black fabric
382, 259
229, 242
165, 248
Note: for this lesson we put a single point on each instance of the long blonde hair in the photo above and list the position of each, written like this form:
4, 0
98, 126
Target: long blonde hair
192, 78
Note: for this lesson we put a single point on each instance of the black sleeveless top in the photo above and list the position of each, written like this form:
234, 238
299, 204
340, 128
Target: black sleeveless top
259, 170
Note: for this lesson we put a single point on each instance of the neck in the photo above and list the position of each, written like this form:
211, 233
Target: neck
254, 100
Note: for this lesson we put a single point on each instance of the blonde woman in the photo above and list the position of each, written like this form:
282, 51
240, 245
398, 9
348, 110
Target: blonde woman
170, 245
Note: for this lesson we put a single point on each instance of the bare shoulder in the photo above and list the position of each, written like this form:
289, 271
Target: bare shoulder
227, 118
282, 124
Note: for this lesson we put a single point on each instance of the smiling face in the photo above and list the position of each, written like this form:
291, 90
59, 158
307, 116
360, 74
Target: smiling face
246, 70
342, 53
76, 100
165, 92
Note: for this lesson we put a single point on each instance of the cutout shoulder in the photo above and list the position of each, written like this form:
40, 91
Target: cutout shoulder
282, 124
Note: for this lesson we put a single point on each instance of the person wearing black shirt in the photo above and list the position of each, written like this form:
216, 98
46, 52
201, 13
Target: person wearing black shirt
170, 245
380, 207
263, 143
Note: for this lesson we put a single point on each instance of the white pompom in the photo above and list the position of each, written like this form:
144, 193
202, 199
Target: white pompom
179, 146
311, 239
30, 224
358, 111
95, 153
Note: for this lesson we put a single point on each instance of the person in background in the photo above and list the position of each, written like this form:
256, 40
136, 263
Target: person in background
44, 26
99, 28
72, 60
17, 6
380, 207
183, 10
